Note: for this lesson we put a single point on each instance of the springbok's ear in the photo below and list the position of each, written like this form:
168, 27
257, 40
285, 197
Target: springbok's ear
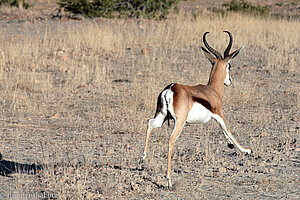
210, 57
232, 55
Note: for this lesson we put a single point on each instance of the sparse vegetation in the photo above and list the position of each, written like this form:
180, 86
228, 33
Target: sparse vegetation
246, 7
16, 3
243, 7
151, 9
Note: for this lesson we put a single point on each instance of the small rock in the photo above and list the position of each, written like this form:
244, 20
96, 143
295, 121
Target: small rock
55, 116
222, 169
117, 166
215, 174
241, 163
127, 146
262, 164
134, 186
146, 51
272, 170
264, 134
232, 167
78, 17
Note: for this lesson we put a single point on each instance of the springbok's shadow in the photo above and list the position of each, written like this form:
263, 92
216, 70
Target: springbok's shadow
8, 167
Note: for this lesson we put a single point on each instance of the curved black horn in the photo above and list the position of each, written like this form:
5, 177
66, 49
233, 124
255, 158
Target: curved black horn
227, 50
217, 54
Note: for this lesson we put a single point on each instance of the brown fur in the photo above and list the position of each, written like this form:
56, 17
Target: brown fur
186, 96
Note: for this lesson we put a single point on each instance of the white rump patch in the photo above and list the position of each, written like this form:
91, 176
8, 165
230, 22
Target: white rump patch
167, 98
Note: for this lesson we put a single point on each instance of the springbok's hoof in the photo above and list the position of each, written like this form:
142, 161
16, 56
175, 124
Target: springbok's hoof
230, 146
170, 187
249, 152
141, 160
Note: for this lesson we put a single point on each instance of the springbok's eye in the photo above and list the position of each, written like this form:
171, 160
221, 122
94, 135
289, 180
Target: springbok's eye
229, 67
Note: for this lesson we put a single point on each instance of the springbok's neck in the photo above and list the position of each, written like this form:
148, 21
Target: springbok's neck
216, 81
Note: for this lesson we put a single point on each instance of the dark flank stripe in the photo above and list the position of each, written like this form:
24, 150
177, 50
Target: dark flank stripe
203, 102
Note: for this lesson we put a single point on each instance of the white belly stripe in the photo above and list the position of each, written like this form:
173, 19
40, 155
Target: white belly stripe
198, 114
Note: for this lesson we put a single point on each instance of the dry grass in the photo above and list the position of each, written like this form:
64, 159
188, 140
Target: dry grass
38, 9
76, 96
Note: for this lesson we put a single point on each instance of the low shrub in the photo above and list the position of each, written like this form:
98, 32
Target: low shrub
246, 7
157, 9
15, 3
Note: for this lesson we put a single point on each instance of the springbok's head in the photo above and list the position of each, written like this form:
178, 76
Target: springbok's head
219, 62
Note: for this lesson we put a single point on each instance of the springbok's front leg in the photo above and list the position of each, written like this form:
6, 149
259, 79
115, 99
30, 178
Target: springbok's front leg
175, 134
228, 135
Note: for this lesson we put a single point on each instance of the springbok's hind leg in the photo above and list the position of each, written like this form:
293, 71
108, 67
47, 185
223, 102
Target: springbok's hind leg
231, 140
174, 136
229, 143
152, 123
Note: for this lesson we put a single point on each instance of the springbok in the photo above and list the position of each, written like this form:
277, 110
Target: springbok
196, 104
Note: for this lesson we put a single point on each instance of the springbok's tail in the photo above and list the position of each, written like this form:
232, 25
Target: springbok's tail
161, 101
